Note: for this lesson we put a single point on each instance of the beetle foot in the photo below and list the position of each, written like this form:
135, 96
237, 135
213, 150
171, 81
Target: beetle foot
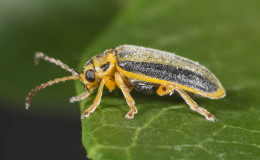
211, 117
85, 115
130, 114
73, 99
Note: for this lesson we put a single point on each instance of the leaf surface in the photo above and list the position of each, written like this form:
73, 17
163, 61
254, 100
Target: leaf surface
221, 35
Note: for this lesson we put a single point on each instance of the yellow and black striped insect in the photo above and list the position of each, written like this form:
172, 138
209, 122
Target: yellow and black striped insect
147, 70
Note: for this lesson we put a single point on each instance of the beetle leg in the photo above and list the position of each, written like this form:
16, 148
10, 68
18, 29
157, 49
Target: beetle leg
96, 101
194, 106
130, 101
164, 90
80, 97
128, 85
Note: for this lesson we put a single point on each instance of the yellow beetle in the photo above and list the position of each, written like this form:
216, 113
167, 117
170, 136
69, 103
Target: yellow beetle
147, 70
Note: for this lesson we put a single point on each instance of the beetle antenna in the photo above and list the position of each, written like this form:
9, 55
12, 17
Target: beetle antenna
39, 55
36, 89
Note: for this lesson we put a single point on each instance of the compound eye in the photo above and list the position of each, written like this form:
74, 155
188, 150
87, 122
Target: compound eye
90, 75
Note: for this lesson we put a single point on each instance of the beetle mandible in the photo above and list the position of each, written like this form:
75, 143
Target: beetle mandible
147, 70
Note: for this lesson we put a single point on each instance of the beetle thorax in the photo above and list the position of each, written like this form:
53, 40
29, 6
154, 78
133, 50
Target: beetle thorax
104, 64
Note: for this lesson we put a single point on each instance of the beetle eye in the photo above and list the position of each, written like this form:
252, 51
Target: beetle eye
90, 75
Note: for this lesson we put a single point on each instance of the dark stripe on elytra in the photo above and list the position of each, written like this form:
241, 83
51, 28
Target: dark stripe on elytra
170, 73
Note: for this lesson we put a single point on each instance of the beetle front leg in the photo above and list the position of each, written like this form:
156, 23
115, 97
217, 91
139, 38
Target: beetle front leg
96, 101
110, 84
194, 106
80, 97
130, 101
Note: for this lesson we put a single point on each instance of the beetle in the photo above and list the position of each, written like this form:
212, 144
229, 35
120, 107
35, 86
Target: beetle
147, 70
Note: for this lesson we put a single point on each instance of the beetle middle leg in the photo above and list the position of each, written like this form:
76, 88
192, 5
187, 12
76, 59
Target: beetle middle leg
194, 106
108, 81
130, 101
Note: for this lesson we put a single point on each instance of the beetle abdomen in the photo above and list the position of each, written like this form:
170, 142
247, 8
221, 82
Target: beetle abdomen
167, 67
144, 87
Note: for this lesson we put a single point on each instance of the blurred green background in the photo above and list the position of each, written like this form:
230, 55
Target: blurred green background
61, 29
222, 35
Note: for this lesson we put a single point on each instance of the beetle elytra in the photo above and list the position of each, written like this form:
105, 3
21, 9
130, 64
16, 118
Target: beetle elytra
147, 70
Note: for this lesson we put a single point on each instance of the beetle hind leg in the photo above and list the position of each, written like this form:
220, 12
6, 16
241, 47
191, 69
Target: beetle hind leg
194, 106
165, 90
130, 101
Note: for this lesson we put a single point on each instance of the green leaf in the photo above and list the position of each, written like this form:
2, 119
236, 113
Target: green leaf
223, 36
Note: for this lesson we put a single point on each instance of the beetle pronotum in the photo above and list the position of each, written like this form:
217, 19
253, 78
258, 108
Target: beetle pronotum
132, 67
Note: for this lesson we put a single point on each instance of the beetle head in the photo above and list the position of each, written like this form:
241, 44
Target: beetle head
96, 68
